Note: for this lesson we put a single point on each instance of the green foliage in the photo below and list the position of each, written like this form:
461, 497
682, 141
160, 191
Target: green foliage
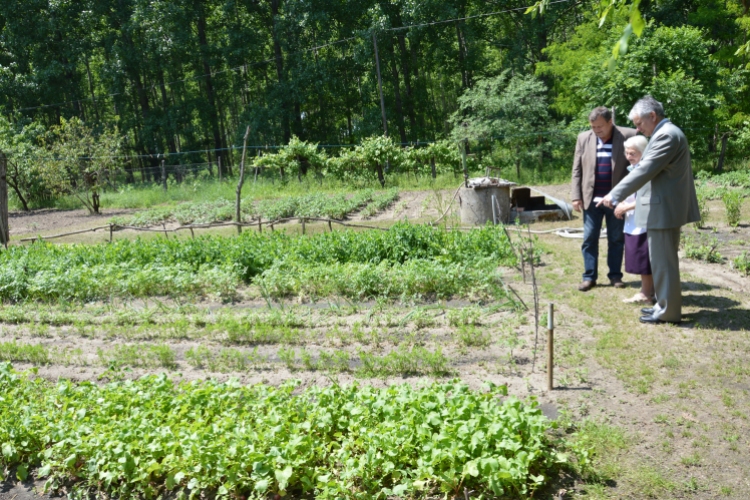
21, 145
297, 156
703, 248
80, 162
338, 442
742, 263
703, 208
670, 63
732, 205
218, 265
513, 111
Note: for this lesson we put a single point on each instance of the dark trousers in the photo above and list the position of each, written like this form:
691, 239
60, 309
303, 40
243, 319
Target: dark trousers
592, 226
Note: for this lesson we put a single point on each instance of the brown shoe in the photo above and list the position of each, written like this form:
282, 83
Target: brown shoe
585, 286
617, 283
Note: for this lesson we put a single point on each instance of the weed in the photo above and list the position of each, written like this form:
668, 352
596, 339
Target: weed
472, 336
732, 205
702, 249
36, 354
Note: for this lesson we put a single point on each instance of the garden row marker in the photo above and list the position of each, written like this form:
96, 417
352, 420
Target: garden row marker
550, 346
238, 215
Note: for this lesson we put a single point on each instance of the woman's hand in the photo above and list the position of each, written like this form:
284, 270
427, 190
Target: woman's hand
622, 208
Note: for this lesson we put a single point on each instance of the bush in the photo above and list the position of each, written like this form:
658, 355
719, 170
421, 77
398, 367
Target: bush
732, 204
742, 263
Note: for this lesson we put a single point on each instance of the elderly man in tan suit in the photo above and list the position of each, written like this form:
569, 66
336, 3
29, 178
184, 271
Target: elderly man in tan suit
672, 204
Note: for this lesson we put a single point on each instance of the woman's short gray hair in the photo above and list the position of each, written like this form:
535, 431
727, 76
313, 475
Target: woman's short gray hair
646, 105
637, 142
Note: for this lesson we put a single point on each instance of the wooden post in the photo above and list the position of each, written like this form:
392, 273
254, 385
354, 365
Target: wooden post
164, 227
163, 176
550, 346
463, 162
257, 167
330, 227
380, 84
303, 225
218, 159
238, 214
111, 230
4, 230
192, 233
260, 224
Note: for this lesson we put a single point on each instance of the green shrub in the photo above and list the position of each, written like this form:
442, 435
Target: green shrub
732, 204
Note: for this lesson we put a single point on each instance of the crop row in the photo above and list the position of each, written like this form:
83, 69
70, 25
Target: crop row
155, 436
408, 261
336, 206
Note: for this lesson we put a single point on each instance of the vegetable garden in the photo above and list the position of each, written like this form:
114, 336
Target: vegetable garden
413, 303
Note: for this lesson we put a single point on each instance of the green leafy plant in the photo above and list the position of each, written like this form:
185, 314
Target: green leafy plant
702, 248
742, 263
732, 206
336, 442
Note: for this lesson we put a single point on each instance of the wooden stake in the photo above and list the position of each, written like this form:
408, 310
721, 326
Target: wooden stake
192, 233
165, 230
550, 346
330, 227
219, 167
303, 226
4, 229
238, 215
260, 224
163, 176
110, 232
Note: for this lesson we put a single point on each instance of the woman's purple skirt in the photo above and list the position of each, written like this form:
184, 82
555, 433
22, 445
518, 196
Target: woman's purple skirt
636, 254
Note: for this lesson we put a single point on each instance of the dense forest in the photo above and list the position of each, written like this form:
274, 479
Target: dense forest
186, 77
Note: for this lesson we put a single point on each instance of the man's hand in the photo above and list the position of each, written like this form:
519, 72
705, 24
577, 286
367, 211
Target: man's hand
577, 205
606, 201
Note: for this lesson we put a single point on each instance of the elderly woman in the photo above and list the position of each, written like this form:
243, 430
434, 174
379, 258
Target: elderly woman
636, 241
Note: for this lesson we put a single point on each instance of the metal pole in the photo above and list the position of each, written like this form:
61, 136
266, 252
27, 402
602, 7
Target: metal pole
550, 346
380, 84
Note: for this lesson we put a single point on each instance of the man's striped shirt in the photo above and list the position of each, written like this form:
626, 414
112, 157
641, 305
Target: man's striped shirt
603, 177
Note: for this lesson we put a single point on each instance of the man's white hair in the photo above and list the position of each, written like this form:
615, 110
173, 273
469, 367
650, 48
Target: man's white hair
638, 142
646, 105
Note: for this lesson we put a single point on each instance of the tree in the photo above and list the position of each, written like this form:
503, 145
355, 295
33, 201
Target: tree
511, 111
21, 147
80, 163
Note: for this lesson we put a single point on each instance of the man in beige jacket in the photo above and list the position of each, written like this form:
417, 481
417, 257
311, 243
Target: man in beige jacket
598, 165
672, 204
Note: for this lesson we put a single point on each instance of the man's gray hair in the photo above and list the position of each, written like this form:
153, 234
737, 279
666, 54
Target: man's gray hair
646, 105
636, 142
602, 111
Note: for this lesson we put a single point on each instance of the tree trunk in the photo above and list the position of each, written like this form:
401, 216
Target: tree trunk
203, 40
381, 177
397, 95
4, 230
720, 165
278, 57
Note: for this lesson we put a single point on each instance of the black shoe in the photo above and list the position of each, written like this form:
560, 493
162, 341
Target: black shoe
655, 321
647, 311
